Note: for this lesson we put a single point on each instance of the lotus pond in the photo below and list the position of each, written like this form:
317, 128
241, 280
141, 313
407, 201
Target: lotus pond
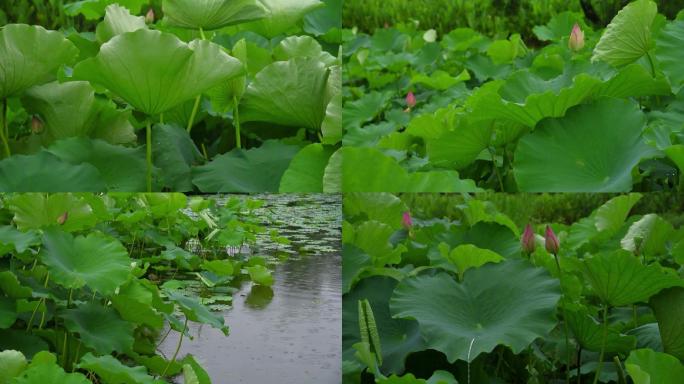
594, 110
172, 95
108, 288
471, 297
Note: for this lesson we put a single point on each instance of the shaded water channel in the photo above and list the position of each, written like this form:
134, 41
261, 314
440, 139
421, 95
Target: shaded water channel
290, 333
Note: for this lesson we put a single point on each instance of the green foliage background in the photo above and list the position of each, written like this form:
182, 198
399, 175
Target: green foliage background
491, 17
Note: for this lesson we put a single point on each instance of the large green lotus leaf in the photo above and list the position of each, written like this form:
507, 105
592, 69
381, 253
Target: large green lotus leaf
10, 285
37, 210
45, 172
302, 46
95, 9
383, 207
118, 20
122, 168
468, 256
12, 363
646, 366
292, 93
283, 15
94, 260
619, 278
195, 311
260, 275
486, 309
331, 128
669, 53
135, 303
155, 71
628, 36
305, 173
211, 14
8, 312
592, 149
668, 306
71, 109
654, 233
398, 337
112, 370
356, 113
355, 260
44, 369
373, 237
369, 170
589, 333
100, 328
610, 217
30, 55
20, 241
458, 146
175, 156
253, 170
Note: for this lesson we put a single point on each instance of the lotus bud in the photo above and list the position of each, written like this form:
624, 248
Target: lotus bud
63, 218
527, 241
410, 100
576, 41
406, 220
552, 244
36, 125
149, 16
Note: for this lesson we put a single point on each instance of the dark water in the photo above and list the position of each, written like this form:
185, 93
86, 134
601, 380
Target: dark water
290, 333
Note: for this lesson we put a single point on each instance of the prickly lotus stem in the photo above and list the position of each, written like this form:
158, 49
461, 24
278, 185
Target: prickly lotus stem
552, 243
576, 41
527, 241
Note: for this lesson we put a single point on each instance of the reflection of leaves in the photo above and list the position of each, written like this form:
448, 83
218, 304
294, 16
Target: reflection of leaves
259, 296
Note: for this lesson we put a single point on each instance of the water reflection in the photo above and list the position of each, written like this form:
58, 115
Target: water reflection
259, 296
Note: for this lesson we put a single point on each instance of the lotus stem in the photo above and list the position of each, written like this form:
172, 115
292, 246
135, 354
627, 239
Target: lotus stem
603, 343
149, 155
201, 31
620, 371
5, 130
650, 61
496, 169
178, 347
565, 323
194, 112
236, 122
579, 365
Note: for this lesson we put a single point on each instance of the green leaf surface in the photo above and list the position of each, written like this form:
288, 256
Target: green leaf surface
118, 20
669, 53
12, 363
45, 172
260, 275
100, 328
589, 333
197, 312
646, 366
283, 16
668, 306
112, 370
44, 369
40, 211
306, 170
175, 154
211, 14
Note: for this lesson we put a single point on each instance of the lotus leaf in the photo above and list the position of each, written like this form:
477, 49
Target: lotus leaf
44, 369
468, 256
100, 328
36, 211
211, 14
12, 363
260, 275
589, 334
668, 306
653, 232
195, 311
95, 9
283, 15
10, 238
670, 55
8, 312
46, 172
646, 366
118, 20
305, 173
113, 371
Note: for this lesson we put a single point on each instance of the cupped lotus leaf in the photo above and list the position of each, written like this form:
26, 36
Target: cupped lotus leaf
118, 20
468, 256
100, 328
592, 149
331, 128
30, 55
457, 145
305, 173
369, 170
71, 109
135, 303
260, 275
252, 170
439, 79
302, 46
645, 366
177, 155
122, 168
45, 172
283, 15
44, 369
99, 262
155, 71
589, 333
37, 210
619, 278
195, 311
486, 309
669, 53
332, 177
628, 36
398, 337
211, 14
648, 236
112, 370
292, 93
612, 214
12, 363
668, 306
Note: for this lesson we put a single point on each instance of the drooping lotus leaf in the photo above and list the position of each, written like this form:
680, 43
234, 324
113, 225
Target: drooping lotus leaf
589, 333
646, 366
100, 328
177, 153
383, 207
653, 232
260, 275
592, 149
628, 36
71, 109
369, 170
253, 170
112, 370
12, 239
302, 46
118, 20
156, 71
211, 14
487, 309
99, 262
668, 306
283, 15
135, 303
373, 237
331, 129
46, 172
39, 211
306, 170
619, 278
293, 93
195, 311
669, 53
30, 55
398, 337
355, 260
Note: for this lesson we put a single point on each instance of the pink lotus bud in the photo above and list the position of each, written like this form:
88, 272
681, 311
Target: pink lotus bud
527, 241
410, 100
36, 125
63, 218
149, 16
576, 41
552, 244
406, 220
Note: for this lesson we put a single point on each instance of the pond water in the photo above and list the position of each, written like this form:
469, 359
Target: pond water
289, 333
